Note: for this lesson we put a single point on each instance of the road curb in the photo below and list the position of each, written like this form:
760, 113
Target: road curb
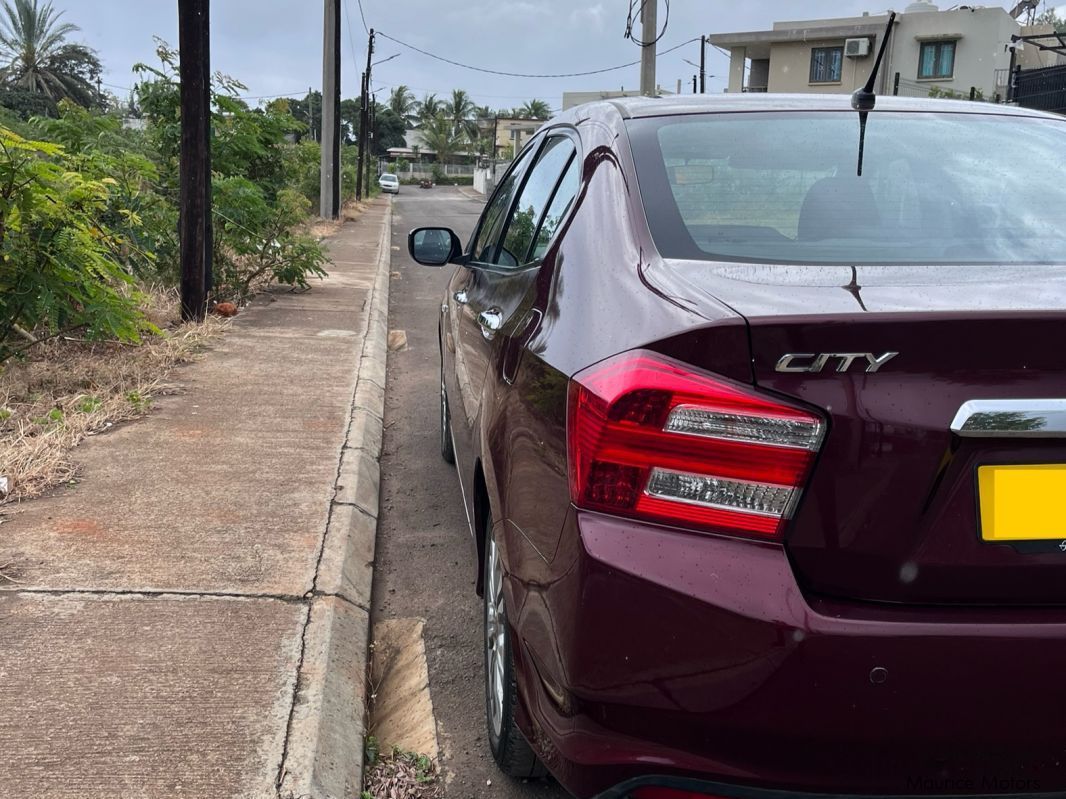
324, 754
473, 194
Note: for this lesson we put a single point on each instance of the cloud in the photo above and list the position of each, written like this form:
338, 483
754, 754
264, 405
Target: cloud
586, 18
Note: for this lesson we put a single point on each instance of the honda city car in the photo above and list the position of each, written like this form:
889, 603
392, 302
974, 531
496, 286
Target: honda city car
758, 407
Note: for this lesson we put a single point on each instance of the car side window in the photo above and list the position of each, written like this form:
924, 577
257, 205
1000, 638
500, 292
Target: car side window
533, 201
488, 234
565, 194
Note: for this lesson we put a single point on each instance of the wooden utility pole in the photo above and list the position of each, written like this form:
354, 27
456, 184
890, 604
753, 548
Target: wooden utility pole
359, 139
647, 53
371, 120
196, 232
364, 119
331, 117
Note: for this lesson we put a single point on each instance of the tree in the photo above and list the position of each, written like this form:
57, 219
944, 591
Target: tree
389, 130
459, 109
429, 108
439, 136
307, 110
36, 56
402, 102
1050, 17
534, 109
350, 112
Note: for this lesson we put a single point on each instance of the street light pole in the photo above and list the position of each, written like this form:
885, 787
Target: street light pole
364, 119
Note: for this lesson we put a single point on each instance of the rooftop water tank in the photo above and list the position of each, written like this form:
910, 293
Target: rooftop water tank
920, 6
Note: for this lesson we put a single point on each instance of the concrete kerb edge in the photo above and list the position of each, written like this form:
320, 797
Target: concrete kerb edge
324, 758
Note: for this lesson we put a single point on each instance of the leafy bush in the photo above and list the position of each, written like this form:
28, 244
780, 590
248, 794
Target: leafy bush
61, 265
255, 240
89, 210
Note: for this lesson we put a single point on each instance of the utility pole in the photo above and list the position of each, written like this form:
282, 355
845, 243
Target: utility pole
196, 233
372, 115
703, 65
364, 120
693, 85
331, 118
650, 30
359, 139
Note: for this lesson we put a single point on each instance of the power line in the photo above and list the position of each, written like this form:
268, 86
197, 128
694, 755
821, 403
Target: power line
351, 39
362, 16
525, 74
632, 18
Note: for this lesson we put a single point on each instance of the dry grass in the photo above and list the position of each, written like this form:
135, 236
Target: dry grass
403, 775
66, 390
324, 228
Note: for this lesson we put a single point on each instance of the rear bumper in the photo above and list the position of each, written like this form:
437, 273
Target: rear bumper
664, 653
686, 787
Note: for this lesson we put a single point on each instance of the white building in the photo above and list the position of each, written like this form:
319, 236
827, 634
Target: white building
959, 51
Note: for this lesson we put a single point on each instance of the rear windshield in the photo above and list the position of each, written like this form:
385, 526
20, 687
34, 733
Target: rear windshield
784, 188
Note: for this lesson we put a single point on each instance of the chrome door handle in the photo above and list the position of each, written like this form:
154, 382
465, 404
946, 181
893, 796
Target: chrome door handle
461, 297
491, 321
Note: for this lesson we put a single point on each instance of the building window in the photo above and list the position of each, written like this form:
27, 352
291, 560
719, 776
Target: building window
938, 60
826, 64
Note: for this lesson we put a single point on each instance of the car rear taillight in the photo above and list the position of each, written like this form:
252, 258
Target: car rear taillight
654, 439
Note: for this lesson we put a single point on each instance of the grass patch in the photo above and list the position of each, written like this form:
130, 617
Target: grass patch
400, 775
66, 390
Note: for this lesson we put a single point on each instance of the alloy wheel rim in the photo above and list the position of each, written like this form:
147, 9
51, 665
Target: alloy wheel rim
495, 637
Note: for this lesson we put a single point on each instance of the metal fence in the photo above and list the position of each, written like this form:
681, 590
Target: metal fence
415, 170
1042, 89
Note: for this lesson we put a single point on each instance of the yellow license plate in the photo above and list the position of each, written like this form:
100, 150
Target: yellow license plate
1022, 503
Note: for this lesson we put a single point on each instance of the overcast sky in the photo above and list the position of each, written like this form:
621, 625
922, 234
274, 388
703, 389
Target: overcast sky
275, 46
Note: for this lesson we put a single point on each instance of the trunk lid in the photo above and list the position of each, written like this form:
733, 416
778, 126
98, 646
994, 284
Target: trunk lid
891, 512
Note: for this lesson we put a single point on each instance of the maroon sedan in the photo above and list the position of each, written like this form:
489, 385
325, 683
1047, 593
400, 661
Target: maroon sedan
759, 415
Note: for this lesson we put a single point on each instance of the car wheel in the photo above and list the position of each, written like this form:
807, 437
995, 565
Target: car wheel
512, 753
447, 446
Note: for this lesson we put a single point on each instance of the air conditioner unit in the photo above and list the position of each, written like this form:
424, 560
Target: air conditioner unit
856, 48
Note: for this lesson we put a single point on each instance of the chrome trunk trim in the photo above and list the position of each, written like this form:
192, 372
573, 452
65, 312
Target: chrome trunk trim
1016, 418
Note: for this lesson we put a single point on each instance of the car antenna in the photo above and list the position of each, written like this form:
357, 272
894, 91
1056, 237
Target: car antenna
864, 99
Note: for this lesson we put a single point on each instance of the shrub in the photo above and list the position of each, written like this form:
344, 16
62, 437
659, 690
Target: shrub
255, 241
61, 264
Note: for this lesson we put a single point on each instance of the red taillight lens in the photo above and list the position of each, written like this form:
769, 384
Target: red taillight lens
649, 437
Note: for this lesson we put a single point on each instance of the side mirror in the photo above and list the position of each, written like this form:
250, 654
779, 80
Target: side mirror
434, 246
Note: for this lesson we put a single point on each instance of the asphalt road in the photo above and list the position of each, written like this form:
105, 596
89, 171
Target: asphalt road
426, 563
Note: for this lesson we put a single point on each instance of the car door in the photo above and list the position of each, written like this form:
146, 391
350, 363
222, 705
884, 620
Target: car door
464, 365
497, 287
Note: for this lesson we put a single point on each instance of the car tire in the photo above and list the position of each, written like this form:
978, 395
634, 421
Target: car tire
447, 446
512, 753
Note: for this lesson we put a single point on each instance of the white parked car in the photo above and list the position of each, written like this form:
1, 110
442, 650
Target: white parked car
390, 184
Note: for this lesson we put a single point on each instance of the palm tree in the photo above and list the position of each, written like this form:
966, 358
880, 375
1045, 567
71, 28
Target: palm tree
36, 57
459, 109
429, 108
402, 102
439, 136
535, 109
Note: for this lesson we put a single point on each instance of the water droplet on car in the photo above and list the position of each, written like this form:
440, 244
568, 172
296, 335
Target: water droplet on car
908, 572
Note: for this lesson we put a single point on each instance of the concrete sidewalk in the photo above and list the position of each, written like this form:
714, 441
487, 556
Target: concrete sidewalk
190, 620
